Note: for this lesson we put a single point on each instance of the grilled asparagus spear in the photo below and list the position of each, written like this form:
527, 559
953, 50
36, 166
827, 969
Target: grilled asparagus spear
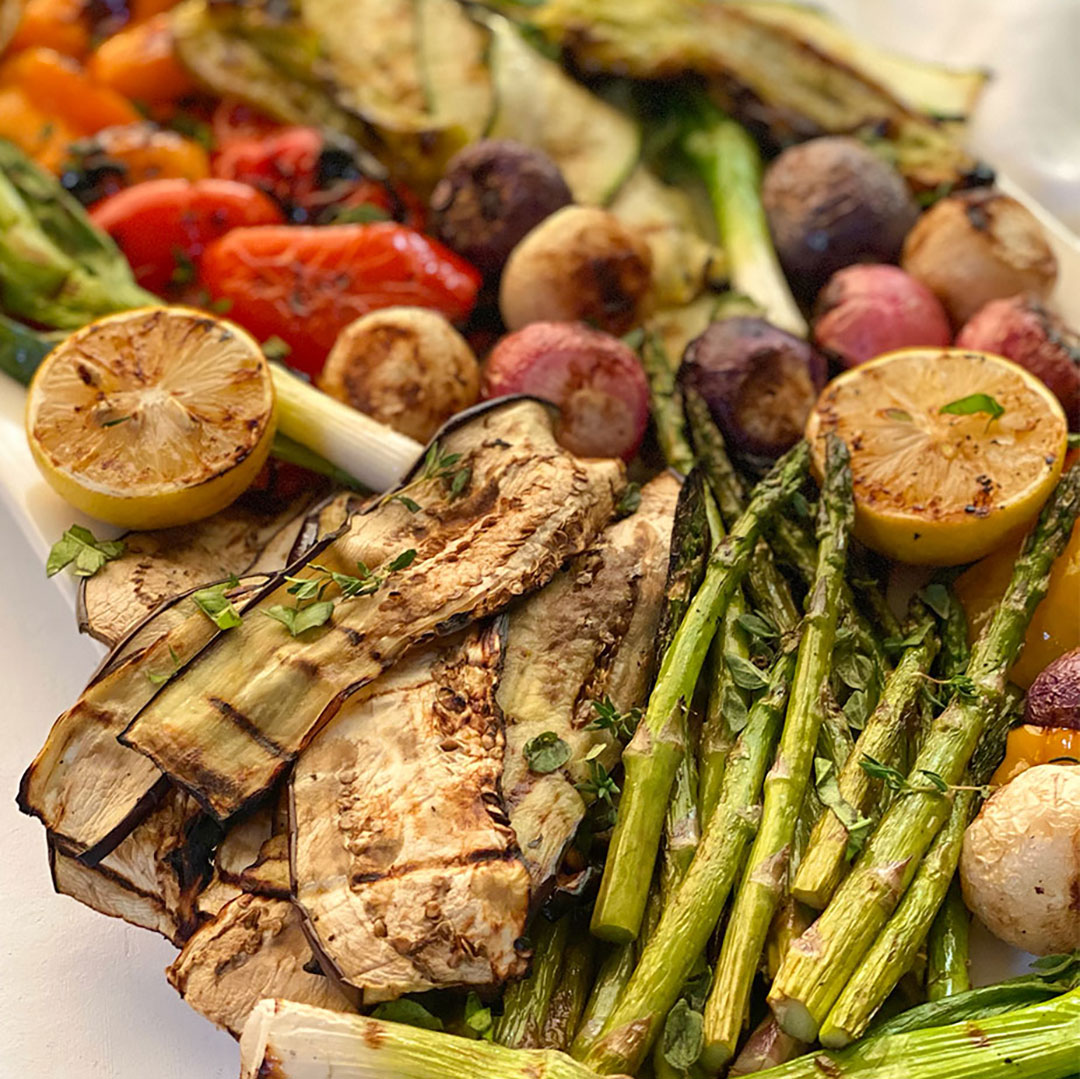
821, 962
786, 783
652, 756
947, 948
526, 1003
690, 916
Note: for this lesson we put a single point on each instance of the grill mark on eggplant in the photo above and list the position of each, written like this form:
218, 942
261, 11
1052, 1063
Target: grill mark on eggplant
473, 857
564, 502
589, 633
238, 719
401, 860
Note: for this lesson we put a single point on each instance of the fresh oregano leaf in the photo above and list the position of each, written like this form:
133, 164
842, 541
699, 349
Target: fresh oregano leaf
298, 620
683, 1037
757, 625
936, 596
828, 790
408, 1012
403, 560
743, 673
478, 1019
546, 753
733, 708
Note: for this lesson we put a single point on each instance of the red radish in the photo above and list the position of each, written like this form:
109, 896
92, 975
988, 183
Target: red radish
594, 378
870, 309
1022, 330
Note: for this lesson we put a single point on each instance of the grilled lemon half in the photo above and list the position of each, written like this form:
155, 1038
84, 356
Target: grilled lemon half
951, 451
154, 417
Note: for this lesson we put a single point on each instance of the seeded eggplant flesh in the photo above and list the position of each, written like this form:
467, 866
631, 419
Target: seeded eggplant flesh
158, 565
238, 849
403, 861
587, 635
229, 725
154, 877
255, 948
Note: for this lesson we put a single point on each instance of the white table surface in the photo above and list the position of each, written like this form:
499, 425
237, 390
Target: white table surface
81, 994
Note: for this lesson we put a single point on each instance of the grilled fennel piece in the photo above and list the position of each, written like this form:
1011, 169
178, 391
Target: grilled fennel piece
154, 877
86, 788
402, 858
587, 635
255, 948
759, 68
158, 565
231, 721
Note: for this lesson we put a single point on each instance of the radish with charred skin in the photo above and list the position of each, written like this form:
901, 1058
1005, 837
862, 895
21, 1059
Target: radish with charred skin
1022, 330
759, 381
595, 379
493, 193
581, 263
406, 366
977, 246
869, 309
1020, 866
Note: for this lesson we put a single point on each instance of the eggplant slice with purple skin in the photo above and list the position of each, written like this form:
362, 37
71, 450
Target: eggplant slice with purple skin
86, 788
159, 565
154, 877
238, 849
255, 948
467, 539
402, 858
589, 634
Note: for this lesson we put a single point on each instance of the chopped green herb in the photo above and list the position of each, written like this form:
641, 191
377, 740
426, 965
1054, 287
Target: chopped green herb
629, 502
608, 718
600, 783
828, 789
408, 503
275, 349
298, 620
217, 606
743, 673
183, 268
757, 625
683, 1037
403, 560
364, 214
972, 405
160, 679
546, 753
119, 419
478, 1018
409, 1012
85, 554
897, 414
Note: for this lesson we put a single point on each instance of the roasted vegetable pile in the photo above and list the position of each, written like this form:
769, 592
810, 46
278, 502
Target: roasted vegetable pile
555, 702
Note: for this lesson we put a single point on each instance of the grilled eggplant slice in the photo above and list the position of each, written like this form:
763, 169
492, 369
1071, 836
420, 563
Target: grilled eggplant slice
156, 566
238, 850
154, 877
402, 859
515, 508
269, 873
588, 635
254, 948
86, 788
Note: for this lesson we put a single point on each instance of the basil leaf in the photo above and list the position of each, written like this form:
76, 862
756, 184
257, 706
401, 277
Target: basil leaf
299, 620
546, 753
217, 606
